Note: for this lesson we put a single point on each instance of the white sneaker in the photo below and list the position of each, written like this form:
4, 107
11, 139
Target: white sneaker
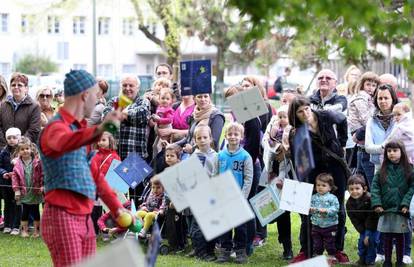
15, 231
407, 260
380, 258
7, 230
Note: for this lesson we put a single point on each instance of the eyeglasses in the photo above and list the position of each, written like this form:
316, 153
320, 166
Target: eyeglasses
320, 78
125, 85
18, 85
45, 96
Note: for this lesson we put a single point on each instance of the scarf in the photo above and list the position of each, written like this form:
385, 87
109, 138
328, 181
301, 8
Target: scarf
385, 120
202, 117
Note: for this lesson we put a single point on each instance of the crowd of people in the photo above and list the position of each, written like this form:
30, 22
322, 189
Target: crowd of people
361, 137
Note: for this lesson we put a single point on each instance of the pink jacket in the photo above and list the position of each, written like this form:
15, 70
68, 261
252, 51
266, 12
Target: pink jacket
166, 115
19, 181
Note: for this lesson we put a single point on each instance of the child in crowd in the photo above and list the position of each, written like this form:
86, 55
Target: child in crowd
233, 157
392, 190
203, 249
12, 212
153, 205
163, 117
403, 129
27, 182
324, 215
100, 162
108, 225
175, 224
364, 219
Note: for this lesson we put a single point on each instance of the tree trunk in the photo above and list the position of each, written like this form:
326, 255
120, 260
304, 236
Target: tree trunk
220, 64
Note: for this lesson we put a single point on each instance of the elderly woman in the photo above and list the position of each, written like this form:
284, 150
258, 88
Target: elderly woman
204, 114
96, 117
44, 98
328, 132
19, 110
360, 109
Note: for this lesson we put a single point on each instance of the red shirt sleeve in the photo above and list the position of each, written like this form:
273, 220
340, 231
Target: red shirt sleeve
57, 138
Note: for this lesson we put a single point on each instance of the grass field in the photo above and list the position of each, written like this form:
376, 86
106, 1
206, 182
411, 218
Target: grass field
16, 251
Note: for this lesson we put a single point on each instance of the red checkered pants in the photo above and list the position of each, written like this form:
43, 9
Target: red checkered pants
70, 238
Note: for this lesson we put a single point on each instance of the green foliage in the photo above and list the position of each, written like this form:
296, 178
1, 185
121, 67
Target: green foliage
31, 64
352, 23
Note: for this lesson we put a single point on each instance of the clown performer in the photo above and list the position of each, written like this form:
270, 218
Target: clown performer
70, 187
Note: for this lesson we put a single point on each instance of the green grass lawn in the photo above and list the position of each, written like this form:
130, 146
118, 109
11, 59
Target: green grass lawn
16, 251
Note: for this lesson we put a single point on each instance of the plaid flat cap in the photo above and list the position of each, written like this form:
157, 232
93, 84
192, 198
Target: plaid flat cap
77, 81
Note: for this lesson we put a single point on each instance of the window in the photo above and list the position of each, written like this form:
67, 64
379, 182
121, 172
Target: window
53, 25
27, 24
128, 26
103, 26
79, 66
129, 68
104, 70
79, 25
5, 69
4, 23
63, 50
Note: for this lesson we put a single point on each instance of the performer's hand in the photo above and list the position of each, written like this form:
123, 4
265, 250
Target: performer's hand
113, 117
379, 210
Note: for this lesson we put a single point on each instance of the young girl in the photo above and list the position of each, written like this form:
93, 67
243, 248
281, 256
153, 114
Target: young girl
27, 183
100, 162
324, 215
203, 249
163, 117
174, 222
153, 205
392, 189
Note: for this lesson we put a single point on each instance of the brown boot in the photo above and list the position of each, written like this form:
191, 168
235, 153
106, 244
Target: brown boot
36, 232
25, 229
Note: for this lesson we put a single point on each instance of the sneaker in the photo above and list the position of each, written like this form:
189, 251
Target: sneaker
223, 256
258, 242
241, 256
208, 257
332, 260
342, 257
7, 230
380, 258
15, 231
407, 260
287, 255
300, 257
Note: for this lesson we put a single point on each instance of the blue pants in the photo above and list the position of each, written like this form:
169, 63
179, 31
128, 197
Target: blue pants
368, 253
364, 166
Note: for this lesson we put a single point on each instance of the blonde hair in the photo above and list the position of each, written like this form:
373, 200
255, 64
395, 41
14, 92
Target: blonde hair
256, 82
111, 139
163, 82
169, 91
235, 126
403, 106
348, 71
41, 89
232, 90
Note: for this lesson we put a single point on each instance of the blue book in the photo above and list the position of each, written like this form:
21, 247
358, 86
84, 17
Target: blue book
195, 77
133, 170
303, 153
114, 180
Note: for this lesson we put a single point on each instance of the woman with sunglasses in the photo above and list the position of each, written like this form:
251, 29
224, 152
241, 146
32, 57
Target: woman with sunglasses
44, 98
19, 110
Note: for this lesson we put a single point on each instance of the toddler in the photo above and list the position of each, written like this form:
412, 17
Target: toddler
108, 225
364, 219
27, 183
324, 215
12, 212
153, 205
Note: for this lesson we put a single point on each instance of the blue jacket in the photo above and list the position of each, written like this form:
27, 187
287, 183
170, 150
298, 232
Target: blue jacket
241, 165
327, 201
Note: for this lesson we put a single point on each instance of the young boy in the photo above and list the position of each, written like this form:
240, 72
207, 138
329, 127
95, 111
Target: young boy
235, 158
364, 219
11, 210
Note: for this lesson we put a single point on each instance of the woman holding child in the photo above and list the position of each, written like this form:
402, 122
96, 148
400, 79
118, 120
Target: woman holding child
328, 154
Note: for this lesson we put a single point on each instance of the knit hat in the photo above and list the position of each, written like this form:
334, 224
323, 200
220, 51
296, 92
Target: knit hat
77, 81
13, 131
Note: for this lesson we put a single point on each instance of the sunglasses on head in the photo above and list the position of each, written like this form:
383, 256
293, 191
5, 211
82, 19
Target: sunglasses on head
385, 86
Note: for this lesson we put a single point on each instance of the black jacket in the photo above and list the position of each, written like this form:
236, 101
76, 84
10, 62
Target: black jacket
333, 100
361, 214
